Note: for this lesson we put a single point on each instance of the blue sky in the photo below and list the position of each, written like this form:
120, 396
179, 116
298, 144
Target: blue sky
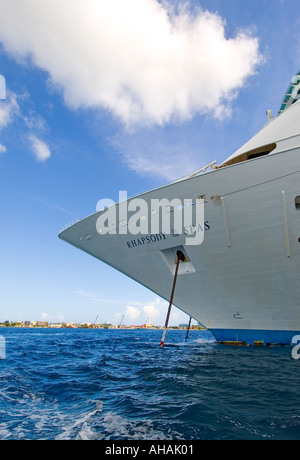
123, 97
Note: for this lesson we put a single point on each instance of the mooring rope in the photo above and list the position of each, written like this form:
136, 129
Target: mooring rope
180, 257
188, 329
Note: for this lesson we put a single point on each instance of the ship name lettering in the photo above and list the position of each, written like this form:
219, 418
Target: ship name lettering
146, 240
155, 238
191, 229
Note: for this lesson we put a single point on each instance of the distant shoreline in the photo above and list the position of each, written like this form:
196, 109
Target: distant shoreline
96, 326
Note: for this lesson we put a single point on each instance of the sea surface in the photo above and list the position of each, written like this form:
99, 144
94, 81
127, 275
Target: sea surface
82, 384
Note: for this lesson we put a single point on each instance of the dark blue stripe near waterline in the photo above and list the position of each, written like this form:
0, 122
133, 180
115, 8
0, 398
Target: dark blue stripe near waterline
253, 337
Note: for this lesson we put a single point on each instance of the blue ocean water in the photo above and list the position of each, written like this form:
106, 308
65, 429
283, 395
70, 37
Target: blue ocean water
120, 385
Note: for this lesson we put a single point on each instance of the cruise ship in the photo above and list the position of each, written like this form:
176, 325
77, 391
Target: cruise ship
242, 282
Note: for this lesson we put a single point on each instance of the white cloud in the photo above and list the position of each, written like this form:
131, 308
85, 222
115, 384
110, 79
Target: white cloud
39, 148
152, 312
168, 154
155, 309
136, 58
132, 313
8, 109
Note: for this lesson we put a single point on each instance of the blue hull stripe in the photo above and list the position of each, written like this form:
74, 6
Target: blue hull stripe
250, 336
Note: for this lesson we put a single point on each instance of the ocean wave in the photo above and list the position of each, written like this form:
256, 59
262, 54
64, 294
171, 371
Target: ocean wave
128, 387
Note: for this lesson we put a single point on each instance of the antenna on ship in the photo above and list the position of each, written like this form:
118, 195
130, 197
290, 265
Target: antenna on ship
180, 257
269, 114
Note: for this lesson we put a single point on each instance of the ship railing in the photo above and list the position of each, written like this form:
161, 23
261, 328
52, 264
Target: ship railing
75, 221
212, 165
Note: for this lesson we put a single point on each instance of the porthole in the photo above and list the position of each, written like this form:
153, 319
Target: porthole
297, 202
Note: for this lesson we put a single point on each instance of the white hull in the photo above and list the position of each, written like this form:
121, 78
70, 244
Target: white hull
243, 282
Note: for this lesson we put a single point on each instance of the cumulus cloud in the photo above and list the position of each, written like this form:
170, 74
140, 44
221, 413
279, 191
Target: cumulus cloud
132, 313
39, 148
8, 110
155, 309
139, 59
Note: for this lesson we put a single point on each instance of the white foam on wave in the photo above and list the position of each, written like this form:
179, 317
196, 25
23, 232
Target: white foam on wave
46, 418
205, 340
114, 426
80, 429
